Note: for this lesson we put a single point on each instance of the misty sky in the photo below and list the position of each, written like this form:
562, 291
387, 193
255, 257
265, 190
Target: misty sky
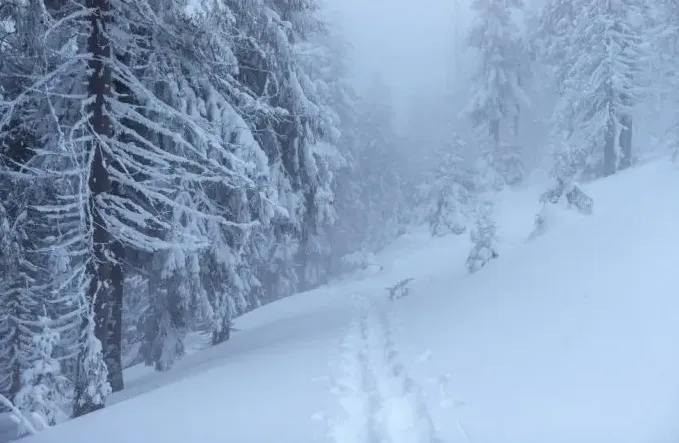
400, 39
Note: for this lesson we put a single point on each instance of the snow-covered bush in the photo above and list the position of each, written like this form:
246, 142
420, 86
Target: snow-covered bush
483, 238
399, 290
136, 303
43, 386
564, 195
361, 260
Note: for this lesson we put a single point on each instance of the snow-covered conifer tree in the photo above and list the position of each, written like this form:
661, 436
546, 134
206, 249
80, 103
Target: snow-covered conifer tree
597, 49
297, 133
156, 119
318, 156
450, 191
32, 280
164, 322
137, 301
91, 379
665, 16
43, 386
10, 256
498, 94
331, 63
380, 196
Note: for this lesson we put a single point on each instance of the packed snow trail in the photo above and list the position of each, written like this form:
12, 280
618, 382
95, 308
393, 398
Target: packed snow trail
381, 402
356, 387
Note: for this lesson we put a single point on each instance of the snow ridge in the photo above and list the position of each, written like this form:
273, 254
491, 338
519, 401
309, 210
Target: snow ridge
382, 404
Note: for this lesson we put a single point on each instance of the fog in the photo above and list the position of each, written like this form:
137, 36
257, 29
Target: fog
420, 50
398, 39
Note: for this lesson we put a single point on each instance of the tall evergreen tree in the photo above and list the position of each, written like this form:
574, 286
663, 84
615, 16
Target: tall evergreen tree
598, 48
498, 94
10, 304
380, 198
192, 149
297, 132
32, 284
450, 191
155, 121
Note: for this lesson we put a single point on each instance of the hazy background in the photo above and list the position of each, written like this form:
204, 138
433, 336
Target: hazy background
400, 39
420, 51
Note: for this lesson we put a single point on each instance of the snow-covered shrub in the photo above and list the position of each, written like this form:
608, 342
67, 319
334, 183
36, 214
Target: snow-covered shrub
511, 165
483, 238
43, 386
564, 195
136, 303
360, 260
399, 290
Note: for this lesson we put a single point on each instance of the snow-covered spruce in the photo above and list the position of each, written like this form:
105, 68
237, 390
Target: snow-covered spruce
449, 192
228, 172
497, 92
598, 50
371, 205
298, 134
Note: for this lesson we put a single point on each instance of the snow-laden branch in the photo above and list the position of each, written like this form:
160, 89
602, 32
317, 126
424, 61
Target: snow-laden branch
18, 415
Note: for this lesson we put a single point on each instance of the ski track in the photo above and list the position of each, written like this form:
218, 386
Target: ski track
382, 404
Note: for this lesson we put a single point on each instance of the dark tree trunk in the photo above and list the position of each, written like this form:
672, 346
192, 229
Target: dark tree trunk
114, 338
625, 160
518, 110
625, 142
610, 154
104, 270
223, 335
495, 131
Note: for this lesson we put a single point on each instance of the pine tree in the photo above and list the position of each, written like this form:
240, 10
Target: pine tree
164, 322
91, 379
10, 256
193, 149
331, 63
498, 94
450, 191
380, 199
156, 120
137, 301
26, 285
295, 128
598, 48
318, 158
665, 17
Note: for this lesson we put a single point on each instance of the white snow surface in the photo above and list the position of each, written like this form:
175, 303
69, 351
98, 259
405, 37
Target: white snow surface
571, 337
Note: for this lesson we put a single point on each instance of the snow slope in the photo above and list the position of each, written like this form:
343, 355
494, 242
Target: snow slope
571, 337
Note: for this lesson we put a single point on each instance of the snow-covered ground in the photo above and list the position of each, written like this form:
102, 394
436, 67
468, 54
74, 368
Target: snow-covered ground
571, 337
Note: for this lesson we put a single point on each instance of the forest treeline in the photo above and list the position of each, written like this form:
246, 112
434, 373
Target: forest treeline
169, 165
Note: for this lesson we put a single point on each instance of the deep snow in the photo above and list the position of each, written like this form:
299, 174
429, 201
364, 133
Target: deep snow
571, 337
